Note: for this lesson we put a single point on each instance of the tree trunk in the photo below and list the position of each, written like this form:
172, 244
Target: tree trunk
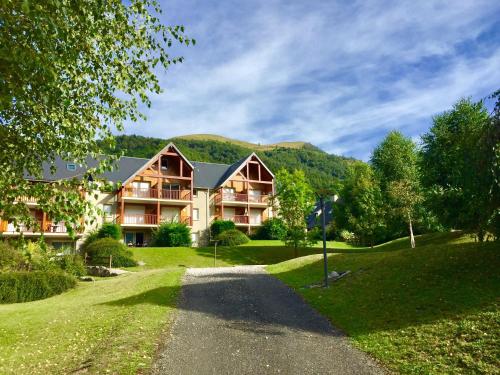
412, 238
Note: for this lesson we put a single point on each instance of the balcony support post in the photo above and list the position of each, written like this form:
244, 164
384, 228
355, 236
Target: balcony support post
122, 209
192, 197
44, 219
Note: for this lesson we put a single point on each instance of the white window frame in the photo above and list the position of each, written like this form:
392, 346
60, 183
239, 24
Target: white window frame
197, 216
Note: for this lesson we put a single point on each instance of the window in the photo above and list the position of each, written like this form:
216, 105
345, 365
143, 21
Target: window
164, 164
107, 210
196, 214
71, 167
195, 193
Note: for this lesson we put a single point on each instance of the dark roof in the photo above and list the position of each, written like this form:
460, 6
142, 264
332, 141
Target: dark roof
206, 175
125, 167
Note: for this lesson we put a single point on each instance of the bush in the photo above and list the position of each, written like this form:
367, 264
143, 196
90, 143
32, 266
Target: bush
172, 235
271, 229
30, 286
220, 226
89, 238
232, 237
110, 230
10, 258
100, 250
72, 264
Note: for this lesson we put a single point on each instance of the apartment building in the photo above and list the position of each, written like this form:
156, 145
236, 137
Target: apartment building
167, 188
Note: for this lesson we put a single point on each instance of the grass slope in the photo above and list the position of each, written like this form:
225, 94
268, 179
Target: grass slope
434, 309
108, 326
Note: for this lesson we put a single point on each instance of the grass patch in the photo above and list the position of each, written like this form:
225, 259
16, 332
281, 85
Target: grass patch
106, 326
434, 309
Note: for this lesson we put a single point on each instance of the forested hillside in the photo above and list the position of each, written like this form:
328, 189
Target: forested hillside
319, 166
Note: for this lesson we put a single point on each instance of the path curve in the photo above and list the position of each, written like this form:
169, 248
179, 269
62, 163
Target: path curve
240, 320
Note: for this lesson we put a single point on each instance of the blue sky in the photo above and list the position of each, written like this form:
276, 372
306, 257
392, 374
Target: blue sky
338, 74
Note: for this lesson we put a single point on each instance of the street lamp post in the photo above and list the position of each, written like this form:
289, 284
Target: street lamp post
323, 225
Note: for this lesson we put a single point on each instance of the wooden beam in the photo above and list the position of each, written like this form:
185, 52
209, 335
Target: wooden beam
122, 209
44, 219
192, 198
181, 166
260, 176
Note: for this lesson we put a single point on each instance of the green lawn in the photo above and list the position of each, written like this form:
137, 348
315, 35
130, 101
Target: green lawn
109, 325
434, 309
254, 252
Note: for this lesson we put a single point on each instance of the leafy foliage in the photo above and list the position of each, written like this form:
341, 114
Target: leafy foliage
232, 237
30, 286
172, 235
460, 168
11, 259
362, 208
69, 76
110, 230
71, 264
395, 162
271, 229
100, 250
296, 200
219, 226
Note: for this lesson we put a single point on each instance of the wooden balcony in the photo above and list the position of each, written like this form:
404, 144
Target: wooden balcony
155, 194
138, 219
241, 199
48, 228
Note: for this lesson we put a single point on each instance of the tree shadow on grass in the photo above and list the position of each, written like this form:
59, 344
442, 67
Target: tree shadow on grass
405, 288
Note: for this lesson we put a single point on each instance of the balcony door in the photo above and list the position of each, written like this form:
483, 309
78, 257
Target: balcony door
134, 214
229, 194
254, 195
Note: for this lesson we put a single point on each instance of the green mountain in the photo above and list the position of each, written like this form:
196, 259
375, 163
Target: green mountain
320, 167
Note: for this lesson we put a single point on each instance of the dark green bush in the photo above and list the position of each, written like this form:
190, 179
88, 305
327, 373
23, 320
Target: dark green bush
271, 229
10, 258
172, 235
72, 264
219, 226
99, 251
232, 237
30, 286
89, 238
110, 230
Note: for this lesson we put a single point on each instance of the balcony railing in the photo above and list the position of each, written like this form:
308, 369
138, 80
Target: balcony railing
184, 194
140, 219
238, 219
26, 199
50, 227
240, 197
180, 195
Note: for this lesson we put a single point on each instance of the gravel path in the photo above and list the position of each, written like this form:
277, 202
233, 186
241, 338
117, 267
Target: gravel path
239, 320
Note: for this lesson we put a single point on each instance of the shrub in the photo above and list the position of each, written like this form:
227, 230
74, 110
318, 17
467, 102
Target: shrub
100, 250
172, 235
219, 226
89, 238
72, 264
232, 237
347, 236
271, 229
10, 258
30, 286
110, 230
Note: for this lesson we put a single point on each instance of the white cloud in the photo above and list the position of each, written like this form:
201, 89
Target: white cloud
338, 76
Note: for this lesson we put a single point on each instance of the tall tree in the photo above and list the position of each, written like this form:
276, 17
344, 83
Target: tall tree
395, 162
295, 200
361, 210
458, 167
70, 74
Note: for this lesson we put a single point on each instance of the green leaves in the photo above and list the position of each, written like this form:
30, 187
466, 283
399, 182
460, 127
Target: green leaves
70, 76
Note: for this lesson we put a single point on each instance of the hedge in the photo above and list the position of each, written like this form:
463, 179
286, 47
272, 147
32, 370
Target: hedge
172, 235
99, 251
219, 226
232, 237
30, 286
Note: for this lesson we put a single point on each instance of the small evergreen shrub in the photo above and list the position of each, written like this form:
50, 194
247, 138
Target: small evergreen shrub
232, 237
271, 229
172, 235
110, 230
30, 286
10, 258
89, 238
100, 250
219, 226
72, 264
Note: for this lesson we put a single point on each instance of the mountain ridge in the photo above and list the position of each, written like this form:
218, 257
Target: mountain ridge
320, 168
